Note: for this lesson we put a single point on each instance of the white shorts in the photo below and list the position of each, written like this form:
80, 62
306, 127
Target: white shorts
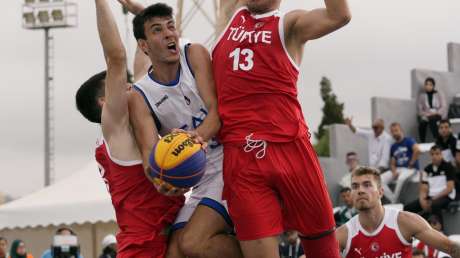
207, 193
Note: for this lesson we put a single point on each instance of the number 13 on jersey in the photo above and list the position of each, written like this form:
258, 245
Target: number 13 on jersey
243, 59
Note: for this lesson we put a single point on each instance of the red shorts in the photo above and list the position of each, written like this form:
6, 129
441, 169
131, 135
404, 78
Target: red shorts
284, 190
150, 249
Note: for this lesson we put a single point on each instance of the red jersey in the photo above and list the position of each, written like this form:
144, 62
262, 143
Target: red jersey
142, 213
429, 251
256, 80
385, 242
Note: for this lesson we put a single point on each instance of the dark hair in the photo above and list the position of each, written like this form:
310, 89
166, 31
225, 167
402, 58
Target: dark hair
155, 10
62, 229
3, 239
345, 189
435, 147
87, 97
445, 121
351, 153
430, 79
434, 219
363, 171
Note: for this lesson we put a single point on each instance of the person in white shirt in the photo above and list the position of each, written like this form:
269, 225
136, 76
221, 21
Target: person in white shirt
352, 162
379, 143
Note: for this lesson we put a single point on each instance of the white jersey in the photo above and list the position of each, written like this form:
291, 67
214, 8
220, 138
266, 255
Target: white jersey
179, 105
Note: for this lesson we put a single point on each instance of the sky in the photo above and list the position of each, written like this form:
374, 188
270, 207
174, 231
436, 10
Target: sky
372, 56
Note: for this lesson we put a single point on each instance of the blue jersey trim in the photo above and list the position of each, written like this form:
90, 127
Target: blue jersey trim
178, 226
186, 48
169, 84
219, 208
155, 118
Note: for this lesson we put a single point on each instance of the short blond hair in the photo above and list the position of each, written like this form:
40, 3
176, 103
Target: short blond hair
363, 171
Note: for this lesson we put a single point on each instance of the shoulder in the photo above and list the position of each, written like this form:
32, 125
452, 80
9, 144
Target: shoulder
197, 54
410, 223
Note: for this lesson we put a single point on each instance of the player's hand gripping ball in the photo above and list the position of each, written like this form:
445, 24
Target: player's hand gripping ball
177, 160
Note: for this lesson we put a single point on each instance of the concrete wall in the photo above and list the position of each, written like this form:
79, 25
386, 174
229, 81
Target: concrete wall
39, 239
342, 140
453, 57
391, 110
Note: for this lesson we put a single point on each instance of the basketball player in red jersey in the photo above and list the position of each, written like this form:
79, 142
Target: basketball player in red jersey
273, 180
384, 232
143, 215
176, 86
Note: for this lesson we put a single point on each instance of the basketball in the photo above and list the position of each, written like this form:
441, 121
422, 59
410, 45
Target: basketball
177, 160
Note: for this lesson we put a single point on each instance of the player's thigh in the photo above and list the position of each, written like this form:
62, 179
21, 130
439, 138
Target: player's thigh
261, 248
173, 250
203, 225
307, 206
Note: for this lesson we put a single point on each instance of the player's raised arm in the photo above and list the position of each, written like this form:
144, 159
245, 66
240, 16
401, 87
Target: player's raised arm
201, 65
305, 25
416, 226
115, 107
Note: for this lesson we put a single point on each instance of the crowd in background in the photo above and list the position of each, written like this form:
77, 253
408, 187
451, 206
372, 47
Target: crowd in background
58, 249
396, 156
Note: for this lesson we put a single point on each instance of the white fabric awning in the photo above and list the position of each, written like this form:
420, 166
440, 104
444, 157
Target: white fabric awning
80, 198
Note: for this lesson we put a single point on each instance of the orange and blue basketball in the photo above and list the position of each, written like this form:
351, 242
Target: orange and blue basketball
176, 159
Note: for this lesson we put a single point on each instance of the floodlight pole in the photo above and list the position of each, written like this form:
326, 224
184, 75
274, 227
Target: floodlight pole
47, 112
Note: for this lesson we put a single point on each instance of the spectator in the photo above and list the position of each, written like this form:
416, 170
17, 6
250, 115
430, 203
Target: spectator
418, 253
352, 162
347, 211
431, 109
63, 231
3, 247
446, 140
378, 142
404, 162
290, 246
18, 250
457, 170
436, 188
109, 247
427, 250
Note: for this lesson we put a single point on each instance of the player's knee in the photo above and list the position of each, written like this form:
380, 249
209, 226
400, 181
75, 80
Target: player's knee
191, 245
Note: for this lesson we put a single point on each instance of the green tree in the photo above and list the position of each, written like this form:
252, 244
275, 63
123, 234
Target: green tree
332, 114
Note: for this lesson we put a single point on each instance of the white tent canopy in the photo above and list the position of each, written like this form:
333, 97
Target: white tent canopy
80, 198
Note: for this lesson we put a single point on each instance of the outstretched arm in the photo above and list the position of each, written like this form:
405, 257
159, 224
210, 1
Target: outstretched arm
115, 107
412, 225
306, 25
201, 65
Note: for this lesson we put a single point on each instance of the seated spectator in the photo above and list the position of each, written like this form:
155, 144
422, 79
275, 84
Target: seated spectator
446, 140
436, 186
432, 108
63, 231
18, 250
347, 211
352, 162
109, 247
290, 246
418, 253
427, 250
457, 170
3, 247
403, 164
378, 141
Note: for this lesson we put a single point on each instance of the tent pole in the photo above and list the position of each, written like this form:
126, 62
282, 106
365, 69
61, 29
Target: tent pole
93, 233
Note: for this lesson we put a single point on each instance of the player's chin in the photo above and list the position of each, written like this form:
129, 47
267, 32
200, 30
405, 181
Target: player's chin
172, 58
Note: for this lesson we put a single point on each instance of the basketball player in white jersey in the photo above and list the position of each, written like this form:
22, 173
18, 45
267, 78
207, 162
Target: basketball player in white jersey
178, 91
384, 232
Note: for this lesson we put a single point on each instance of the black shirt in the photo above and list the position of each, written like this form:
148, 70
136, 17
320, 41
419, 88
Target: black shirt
437, 178
451, 143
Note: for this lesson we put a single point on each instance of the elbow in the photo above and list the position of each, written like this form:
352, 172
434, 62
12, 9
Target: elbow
344, 19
